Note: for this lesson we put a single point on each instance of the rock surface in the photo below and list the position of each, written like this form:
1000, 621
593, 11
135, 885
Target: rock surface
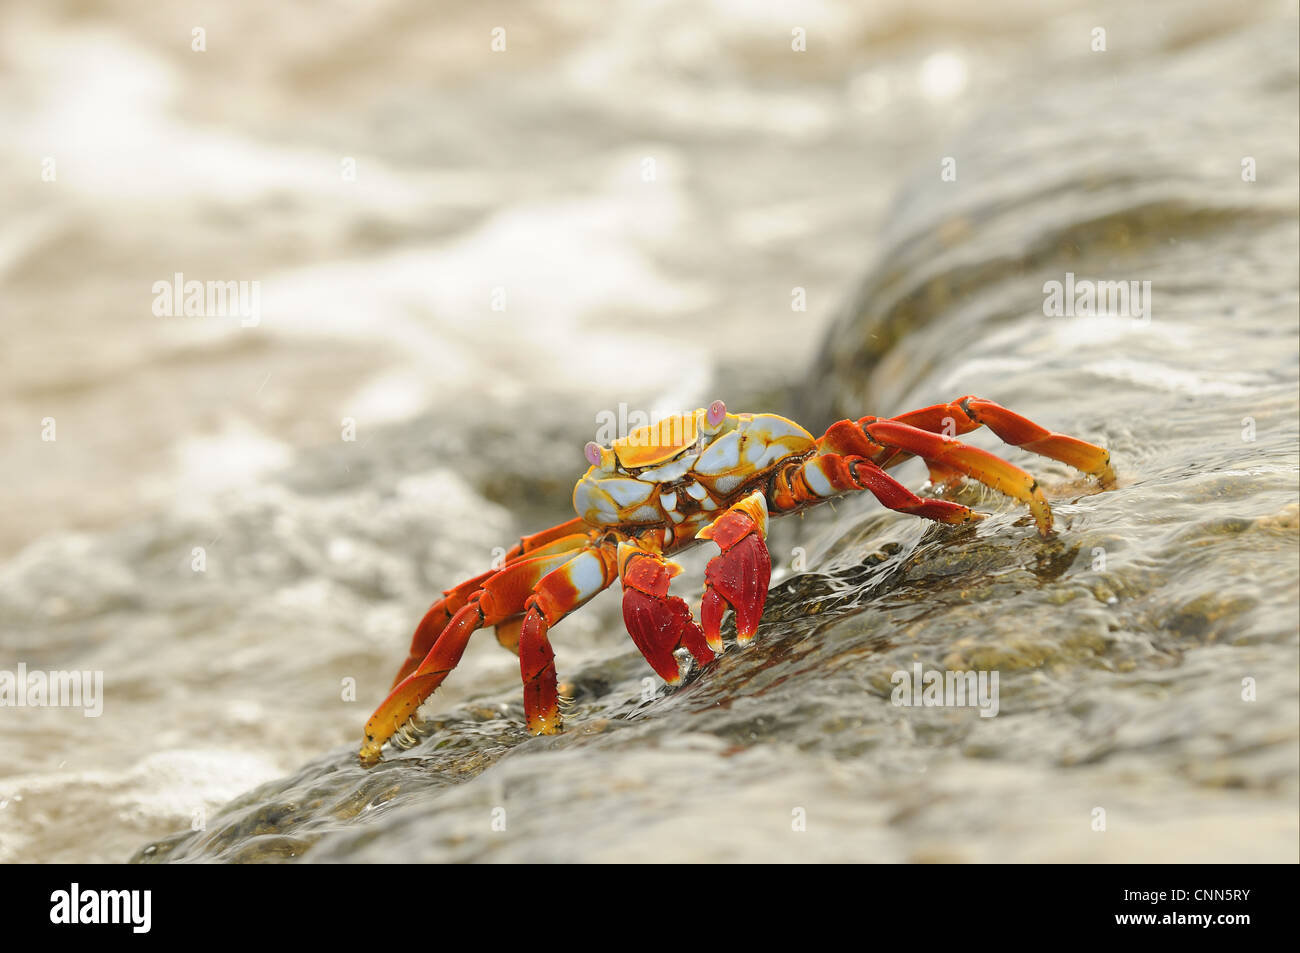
1147, 654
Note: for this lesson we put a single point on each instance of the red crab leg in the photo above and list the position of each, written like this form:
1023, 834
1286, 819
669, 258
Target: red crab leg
659, 623
830, 474
970, 412
877, 437
895, 496
971, 461
531, 545
555, 596
500, 596
508, 633
738, 577
436, 619
554, 540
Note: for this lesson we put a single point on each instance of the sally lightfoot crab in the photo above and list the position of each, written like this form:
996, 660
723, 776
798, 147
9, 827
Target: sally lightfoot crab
707, 475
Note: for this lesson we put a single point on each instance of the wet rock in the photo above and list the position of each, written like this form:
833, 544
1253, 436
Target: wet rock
1146, 654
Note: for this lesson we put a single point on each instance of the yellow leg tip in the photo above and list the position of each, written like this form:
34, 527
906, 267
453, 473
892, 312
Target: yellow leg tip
546, 725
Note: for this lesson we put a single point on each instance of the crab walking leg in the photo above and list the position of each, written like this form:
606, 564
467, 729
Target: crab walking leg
895, 496
840, 467
571, 536
547, 539
978, 464
659, 623
436, 619
738, 577
508, 634
501, 596
558, 539
970, 412
553, 597
1024, 433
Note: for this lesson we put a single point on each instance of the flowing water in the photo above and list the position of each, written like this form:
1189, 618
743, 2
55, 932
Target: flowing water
204, 533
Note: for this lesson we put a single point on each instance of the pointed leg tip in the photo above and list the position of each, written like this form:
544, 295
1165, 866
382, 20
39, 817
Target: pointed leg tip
703, 655
546, 725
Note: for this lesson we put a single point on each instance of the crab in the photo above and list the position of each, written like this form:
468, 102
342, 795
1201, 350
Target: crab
707, 475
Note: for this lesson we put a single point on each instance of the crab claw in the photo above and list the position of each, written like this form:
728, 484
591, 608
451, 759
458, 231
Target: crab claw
658, 623
738, 577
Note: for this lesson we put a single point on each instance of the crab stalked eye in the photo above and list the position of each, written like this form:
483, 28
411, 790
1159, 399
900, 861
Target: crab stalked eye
717, 410
592, 451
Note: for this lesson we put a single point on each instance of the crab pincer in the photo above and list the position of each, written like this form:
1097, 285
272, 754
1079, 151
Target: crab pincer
659, 623
738, 577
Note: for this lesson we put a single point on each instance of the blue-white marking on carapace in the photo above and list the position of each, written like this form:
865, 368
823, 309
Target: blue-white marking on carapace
774, 427
725, 485
670, 471
721, 456
626, 492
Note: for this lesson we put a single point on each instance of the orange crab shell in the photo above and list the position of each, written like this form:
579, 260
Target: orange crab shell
658, 442
684, 464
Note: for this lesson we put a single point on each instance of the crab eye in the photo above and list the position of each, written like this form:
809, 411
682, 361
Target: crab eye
717, 410
592, 450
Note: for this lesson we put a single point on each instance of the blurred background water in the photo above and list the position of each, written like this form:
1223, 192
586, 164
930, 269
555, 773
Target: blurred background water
618, 208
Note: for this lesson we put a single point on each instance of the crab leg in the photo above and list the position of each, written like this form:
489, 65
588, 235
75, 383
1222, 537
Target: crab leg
895, 496
970, 412
435, 621
556, 595
508, 634
544, 541
839, 467
738, 577
659, 623
557, 539
501, 595
831, 474
953, 455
